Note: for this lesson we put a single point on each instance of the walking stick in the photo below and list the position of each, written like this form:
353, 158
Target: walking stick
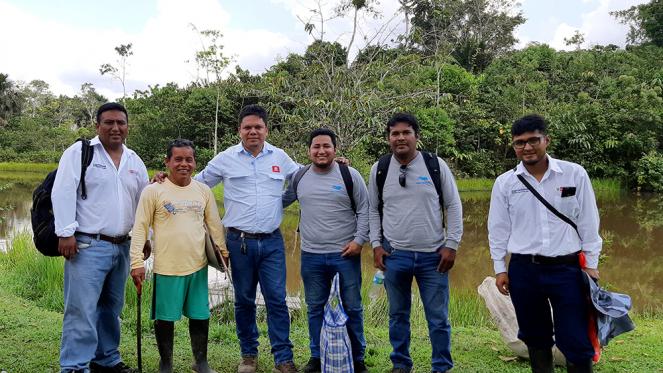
138, 331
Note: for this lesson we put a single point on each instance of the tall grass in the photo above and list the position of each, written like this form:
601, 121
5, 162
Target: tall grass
465, 309
475, 184
27, 167
39, 278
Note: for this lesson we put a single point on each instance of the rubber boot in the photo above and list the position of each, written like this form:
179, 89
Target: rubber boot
198, 330
585, 367
541, 360
164, 332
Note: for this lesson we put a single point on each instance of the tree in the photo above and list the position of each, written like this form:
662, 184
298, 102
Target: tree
474, 32
119, 71
576, 39
91, 100
356, 6
10, 99
645, 22
37, 95
211, 60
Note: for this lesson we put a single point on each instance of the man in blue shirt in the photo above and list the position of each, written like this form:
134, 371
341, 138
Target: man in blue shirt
253, 173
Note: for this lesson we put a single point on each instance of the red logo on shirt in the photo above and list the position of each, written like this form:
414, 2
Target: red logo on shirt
276, 169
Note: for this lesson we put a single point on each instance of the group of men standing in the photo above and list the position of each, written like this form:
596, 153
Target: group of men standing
411, 214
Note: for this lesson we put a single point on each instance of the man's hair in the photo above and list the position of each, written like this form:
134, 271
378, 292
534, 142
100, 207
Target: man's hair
322, 132
180, 143
256, 110
406, 118
529, 123
111, 106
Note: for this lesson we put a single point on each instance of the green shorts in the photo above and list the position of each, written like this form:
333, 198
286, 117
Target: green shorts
176, 295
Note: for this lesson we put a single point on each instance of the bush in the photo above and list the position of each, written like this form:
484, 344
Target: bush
649, 174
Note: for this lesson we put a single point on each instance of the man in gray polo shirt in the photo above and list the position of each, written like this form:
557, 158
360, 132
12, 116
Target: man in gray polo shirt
409, 240
333, 228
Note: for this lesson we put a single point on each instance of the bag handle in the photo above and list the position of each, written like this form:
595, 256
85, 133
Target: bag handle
335, 292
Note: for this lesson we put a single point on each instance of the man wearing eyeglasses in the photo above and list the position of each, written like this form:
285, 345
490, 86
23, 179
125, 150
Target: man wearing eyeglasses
548, 250
409, 241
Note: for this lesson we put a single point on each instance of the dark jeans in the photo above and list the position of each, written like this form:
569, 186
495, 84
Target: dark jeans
317, 271
263, 263
402, 267
536, 287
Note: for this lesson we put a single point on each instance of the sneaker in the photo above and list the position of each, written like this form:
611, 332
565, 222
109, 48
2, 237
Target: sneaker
360, 367
120, 367
313, 366
249, 364
287, 367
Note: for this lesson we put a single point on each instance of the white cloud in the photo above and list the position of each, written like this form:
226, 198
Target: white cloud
66, 56
598, 26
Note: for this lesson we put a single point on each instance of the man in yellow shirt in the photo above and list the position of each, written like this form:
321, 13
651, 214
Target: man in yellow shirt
178, 211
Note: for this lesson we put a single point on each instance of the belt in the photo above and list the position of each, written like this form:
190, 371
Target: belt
98, 236
548, 260
255, 236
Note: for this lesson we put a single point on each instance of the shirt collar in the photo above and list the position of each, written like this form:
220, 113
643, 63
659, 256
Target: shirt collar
266, 148
553, 165
96, 141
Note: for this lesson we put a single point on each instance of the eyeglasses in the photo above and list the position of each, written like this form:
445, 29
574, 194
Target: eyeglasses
401, 177
533, 141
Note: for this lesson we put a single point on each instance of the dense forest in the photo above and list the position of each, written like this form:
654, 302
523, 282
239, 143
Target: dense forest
455, 68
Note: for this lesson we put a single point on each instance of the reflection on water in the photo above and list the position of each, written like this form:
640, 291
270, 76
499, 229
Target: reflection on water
631, 226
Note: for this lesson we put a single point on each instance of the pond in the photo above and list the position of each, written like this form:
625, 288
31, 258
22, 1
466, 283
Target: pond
631, 226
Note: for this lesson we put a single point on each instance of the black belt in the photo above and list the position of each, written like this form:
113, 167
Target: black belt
255, 236
548, 260
114, 240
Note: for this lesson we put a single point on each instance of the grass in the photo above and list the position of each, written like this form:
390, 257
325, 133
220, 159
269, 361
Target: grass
31, 322
27, 167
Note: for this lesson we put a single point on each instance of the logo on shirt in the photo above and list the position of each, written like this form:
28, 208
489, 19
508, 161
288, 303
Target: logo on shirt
170, 208
276, 169
521, 190
337, 188
99, 165
133, 172
424, 180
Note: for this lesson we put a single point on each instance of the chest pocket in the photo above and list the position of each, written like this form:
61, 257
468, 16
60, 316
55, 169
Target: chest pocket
274, 183
568, 206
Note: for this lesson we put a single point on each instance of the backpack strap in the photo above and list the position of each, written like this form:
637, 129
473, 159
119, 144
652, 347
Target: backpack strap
433, 166
298, 176
349, 184
87, 152
380, 178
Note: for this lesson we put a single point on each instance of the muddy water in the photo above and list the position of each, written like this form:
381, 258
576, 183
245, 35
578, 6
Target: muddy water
631, 226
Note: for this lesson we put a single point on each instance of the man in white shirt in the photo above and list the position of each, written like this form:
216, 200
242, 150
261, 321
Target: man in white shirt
94, 239
549, 250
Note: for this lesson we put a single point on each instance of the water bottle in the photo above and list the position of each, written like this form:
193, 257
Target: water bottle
376, 287
378, 279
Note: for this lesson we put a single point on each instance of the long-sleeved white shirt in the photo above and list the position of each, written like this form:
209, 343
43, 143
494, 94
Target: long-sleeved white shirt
112, 193
519, 223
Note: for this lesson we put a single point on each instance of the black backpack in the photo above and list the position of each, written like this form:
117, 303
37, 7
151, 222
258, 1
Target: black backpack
432, 165
41, 213
347, 180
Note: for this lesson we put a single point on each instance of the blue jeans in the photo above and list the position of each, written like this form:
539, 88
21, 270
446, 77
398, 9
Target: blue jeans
402, 266
317, 271
264, 264
532, 286
94, 282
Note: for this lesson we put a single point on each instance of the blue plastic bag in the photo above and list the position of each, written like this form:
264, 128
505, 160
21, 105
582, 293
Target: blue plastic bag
335, 348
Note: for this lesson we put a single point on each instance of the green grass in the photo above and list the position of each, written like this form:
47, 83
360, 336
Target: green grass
27, 167
31, 322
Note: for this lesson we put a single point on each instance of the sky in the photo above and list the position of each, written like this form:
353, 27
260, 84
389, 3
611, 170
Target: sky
65, 42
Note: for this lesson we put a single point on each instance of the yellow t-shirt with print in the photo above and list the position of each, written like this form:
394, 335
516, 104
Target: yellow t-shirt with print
177, 216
